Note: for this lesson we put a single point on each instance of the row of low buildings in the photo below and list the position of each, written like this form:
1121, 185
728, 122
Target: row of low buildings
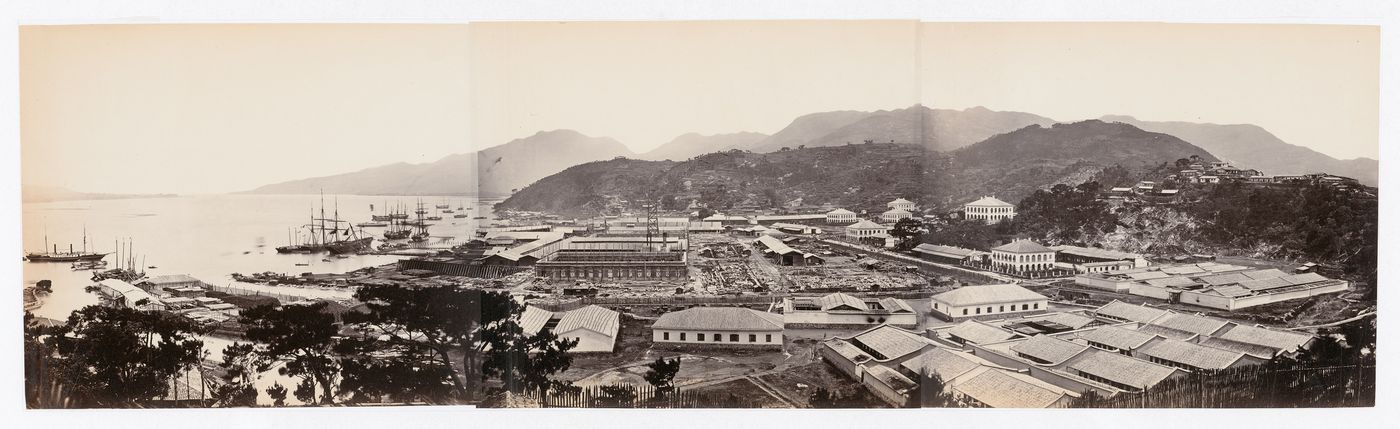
175, 293
1047, 360
1030, 259
1213, 285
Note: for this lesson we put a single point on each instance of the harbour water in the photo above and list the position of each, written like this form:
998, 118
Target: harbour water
212, 236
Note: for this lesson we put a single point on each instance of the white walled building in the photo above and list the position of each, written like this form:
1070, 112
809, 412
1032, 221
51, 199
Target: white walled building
986, 302
840, 216
723, 326
894, 215
594, 327
900, 204
866, 229
1023, 256
839, 309
989, 209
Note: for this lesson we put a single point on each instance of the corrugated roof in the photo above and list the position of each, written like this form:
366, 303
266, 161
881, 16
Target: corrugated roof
1117, 337
1133, 312
1049, 349
976, 332
776, 245
1191, 323
593, 318
989, 202
1022, 246
1121, 369
1195, 355
836, 300
720, 319
534, 319
890, 342
987, 294
1004, 389
1278, 339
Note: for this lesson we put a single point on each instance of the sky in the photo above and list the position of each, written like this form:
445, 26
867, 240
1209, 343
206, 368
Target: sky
1311, 85
223, 108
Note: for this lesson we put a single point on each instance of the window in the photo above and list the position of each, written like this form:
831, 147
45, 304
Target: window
1025, 306
964, 311
979, 310
753, 338
700, 337
666, 336
682, 336
768, 338
733, 338
1001, 308
1037, 306
989, 309
719, 337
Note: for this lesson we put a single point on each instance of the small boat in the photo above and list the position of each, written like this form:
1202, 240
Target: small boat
325, 260
152, 267
371, 224
479, 217
433, 218
303, 264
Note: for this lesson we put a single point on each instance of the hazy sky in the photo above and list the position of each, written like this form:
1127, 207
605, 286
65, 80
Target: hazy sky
644, 83
1311, 85
218, 108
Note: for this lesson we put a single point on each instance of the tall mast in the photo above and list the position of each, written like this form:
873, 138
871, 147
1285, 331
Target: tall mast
84, 238
323, 217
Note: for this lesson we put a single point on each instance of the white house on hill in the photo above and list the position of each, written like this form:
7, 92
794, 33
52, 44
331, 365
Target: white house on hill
840, 216
900, 204
989, 209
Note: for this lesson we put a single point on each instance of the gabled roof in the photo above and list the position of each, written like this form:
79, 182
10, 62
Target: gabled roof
1117, 337
837, 300
1256, 350
891, 378
976, 332
1192, 323
1176, 282
1278, 339
987, 294
1137, 313
989, 202
1072, 320
172, 278
896, 305
593, 318
1264, 274
945, 251
900, 212
534, 319
946, 363
890, 342
1121, 369
720, 319
899, 201
1166, 332
1049, 349
866, 224
1192, 354
1094, 252
841, 212
1022, 246
1005, 389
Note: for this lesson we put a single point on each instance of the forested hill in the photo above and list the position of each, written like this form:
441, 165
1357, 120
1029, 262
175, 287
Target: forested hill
861, 176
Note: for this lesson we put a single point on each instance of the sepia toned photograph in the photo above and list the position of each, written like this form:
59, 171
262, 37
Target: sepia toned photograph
786, 214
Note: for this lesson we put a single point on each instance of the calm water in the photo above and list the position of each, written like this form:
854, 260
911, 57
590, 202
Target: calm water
211, 237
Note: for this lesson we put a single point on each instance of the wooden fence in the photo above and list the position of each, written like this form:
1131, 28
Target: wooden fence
1254, 387
234, 290
642, 396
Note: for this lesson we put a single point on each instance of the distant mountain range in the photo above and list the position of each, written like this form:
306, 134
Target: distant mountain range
44, 194
865, 175
499, 170
1251, 146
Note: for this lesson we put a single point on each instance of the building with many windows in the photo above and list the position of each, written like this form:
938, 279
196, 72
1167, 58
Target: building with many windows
866, 229
1022, 257
840, 216
989, 209
894, 215
987, 302
900, 204
720, 326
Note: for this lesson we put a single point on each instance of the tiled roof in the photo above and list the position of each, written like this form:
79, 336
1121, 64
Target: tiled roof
1005, 389
987, 294
1256, 350
945, 251
720, 319
890, 342
1225, 279
1232, 291
841, 212
1305, 278
534, 319
1171, 282
832, 301
1022, 246
172, 278
946, 363
891, 378
899, 212
990, 202
900, 201
1183, 269
1117, 337
1121, 369
847, 350
1278, 339
1166, 332
896, 305
866, 224
1072, 320
976, 332
1264, 274
1133, 312
1265, 283
1148, 275
593, 318
1094, 252
1049, 349
1192, 354
1191, 323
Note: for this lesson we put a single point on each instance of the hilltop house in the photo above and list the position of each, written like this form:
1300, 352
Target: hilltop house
840, 216
900, 204
894, 215
989, 209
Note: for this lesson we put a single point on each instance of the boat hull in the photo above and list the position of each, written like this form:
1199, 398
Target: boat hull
43, 257
349, 246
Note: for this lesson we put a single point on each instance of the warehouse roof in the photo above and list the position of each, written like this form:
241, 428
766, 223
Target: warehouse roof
1005, 389
987, 294
1117, 337
944, 251
1125, 311
720, 319
1049, 349
534, 319
1278, 339
172, 278
593, 318
1121, 369
1192, 354
889, 342
837, 300
1190, 323
976, 332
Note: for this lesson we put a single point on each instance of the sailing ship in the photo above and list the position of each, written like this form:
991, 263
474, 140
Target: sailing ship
462, 212
398, 228
327, 235
379, 218
443, 206
420, 228
72, 255
127, 267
